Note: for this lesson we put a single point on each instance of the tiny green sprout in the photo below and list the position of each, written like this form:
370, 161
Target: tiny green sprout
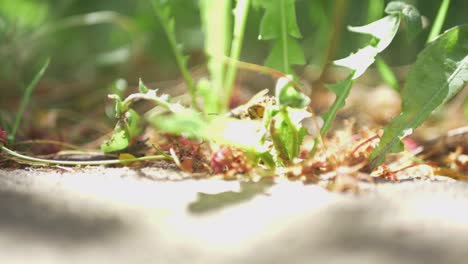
142, 87
125, 130
118, 141
26, 99
119, 87
287, 95
118, 105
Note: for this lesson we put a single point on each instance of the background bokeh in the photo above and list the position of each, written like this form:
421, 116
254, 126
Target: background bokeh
93, 43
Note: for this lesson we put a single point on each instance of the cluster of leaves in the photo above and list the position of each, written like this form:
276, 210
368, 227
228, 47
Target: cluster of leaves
438, 74
382, 33
273, 140
276, 139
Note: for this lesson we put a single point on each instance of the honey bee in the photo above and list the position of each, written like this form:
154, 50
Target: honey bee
255, 108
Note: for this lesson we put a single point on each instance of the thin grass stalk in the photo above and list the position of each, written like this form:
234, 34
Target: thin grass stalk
241, 12
439, 20
26, 99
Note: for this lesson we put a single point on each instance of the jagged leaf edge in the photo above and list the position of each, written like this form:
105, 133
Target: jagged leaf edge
393, 144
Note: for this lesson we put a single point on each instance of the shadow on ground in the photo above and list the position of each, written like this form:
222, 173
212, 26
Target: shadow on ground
363, 231
206, 203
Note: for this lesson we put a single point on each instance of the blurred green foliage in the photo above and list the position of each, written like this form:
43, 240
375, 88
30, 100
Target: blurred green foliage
130, 42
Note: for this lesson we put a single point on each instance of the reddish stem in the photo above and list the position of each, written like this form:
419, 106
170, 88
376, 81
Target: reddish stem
364, 142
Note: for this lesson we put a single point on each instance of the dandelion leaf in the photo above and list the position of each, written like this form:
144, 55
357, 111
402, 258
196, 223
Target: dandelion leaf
279, 24
440, 71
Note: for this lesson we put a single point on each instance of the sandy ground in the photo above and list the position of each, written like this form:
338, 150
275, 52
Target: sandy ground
122, 215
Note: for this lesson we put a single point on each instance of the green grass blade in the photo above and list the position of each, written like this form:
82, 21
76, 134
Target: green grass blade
342, 90
26, 99
216, 21
387, 74
240, 17
162, 11
439, 20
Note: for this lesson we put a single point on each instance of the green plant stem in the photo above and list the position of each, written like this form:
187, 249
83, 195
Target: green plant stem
82, 163
241, 12
180, 58
439, 20
216, 21
284, 38
263, 70
314, 148
340, 7
387, 74
143, 96
339, 101
374, 10
25, 100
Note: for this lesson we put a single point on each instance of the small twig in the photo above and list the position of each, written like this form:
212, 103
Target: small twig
406, 167
82, 163
261, 69
364, 142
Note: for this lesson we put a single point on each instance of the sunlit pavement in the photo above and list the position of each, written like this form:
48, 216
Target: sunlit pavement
122, 215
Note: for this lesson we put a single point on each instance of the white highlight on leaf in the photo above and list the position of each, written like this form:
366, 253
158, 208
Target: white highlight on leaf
241, 133
313, 125
281, 83
99, 17
359, 61
151, 93
297, 115
407, 132
383, 29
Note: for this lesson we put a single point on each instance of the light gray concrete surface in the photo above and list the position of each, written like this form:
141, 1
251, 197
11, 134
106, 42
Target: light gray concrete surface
122, 215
